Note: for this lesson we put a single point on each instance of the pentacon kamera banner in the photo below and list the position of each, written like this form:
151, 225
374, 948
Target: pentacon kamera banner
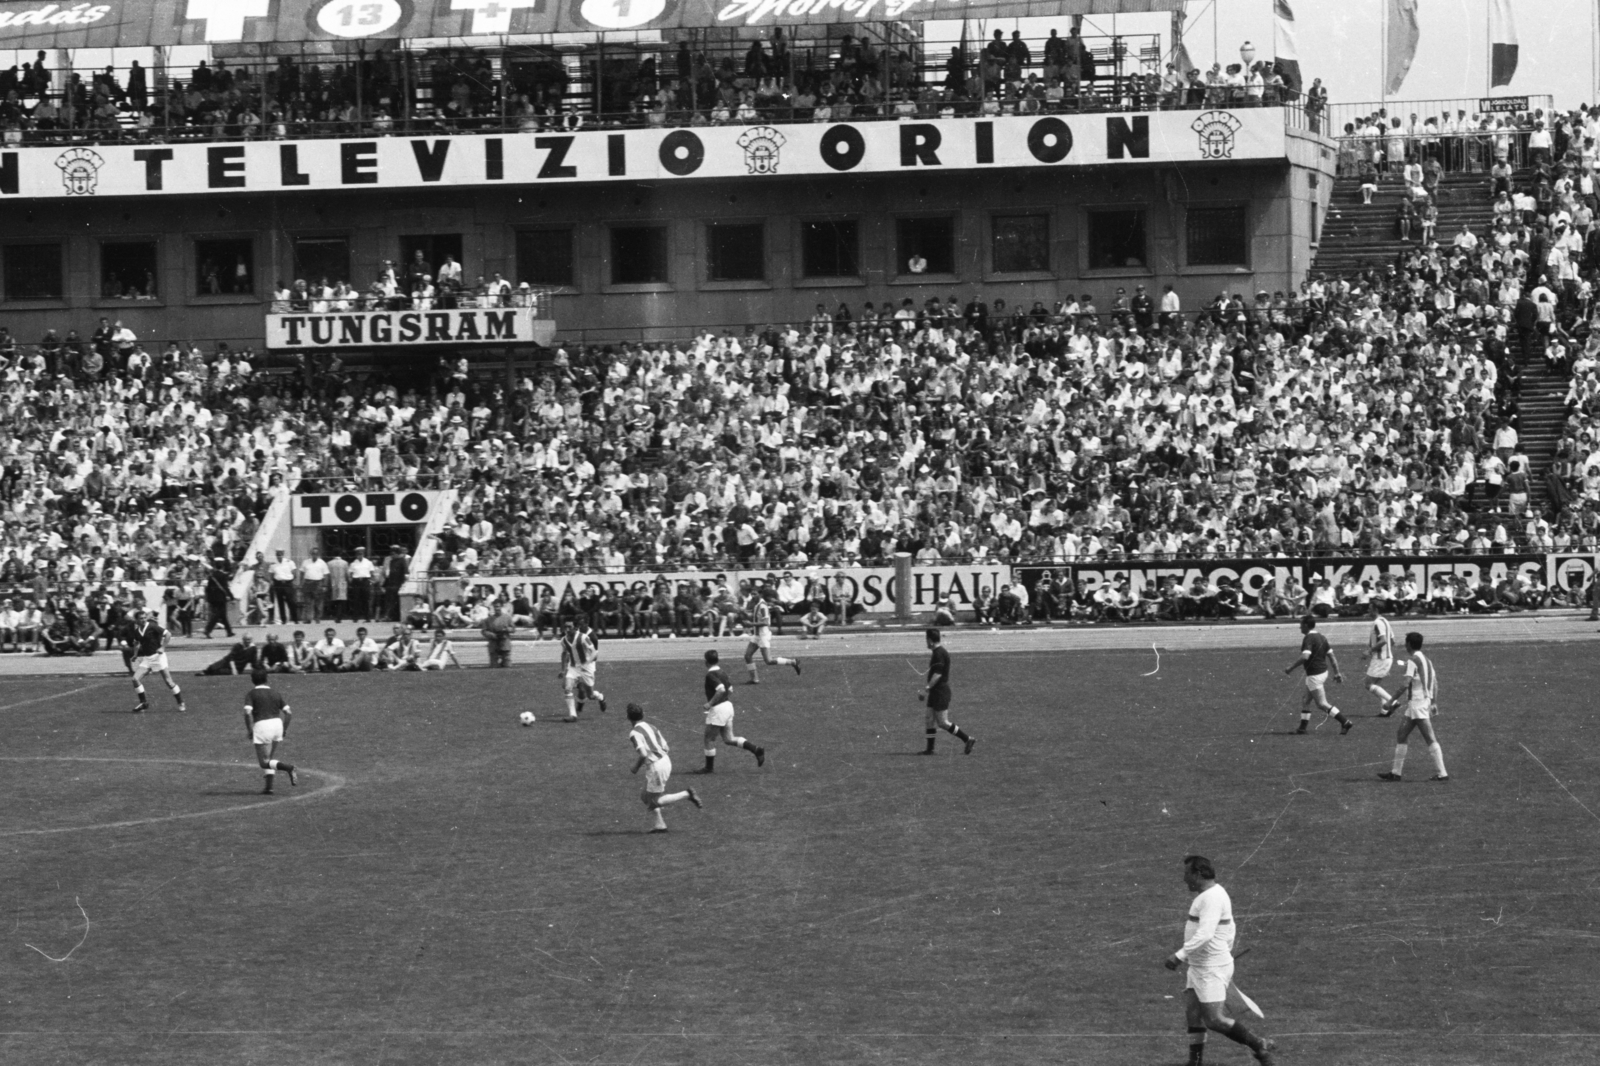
755, 152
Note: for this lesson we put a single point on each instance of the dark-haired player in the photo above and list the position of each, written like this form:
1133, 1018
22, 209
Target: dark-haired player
937, 693
266, 723
651, 747
1315, 657
761, 640
1208, 934
1380, 653
145, 644
719, 717
578, 654
1420, 697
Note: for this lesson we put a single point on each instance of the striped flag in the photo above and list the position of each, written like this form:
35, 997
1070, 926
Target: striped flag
1503, 38
1287, 63
1403, 36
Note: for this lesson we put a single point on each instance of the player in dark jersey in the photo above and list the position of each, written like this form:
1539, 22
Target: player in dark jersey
719, 718
266, 723
937, 694
144, 644
1315, 657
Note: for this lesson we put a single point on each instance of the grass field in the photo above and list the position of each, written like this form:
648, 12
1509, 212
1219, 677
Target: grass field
447, 887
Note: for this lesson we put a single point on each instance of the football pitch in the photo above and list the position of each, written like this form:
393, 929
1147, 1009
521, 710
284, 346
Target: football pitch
445, 886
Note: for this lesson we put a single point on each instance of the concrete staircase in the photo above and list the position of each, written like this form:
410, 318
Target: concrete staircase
1541, 412
1357, 236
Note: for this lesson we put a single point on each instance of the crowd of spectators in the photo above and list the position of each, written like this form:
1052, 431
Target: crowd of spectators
416, 285
768, 80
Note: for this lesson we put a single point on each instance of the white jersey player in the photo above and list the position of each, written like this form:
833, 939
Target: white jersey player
1208, 934
1421, 700
1380, 655
578, 654
655, 758
761, 639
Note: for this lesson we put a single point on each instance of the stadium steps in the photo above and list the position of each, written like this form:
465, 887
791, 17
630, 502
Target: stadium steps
1357, 236
1541, 411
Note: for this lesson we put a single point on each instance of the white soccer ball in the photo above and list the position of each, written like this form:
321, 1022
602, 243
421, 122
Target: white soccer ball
526, 718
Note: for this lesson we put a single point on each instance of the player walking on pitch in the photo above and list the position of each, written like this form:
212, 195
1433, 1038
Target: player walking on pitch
937, 694
1315, 657
1208, 934
266, 723
653, 753
578, 653
146, 643
719, 718
761, 640
1421, 696
1380, 655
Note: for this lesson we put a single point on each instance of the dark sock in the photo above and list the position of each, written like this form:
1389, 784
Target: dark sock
959, 733
1197, 1046
932, 736
1240, 1035
711, 763
749, 746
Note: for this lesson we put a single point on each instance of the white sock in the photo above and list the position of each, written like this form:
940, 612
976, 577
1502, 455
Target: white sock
781, 661
572, 707
1438, 757
711, 753
656, 821
1399, 758
736, 742
754, 676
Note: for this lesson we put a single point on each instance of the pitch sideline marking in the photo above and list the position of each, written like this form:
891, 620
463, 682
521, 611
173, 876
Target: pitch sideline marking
334, 783
55, 695
1557, 780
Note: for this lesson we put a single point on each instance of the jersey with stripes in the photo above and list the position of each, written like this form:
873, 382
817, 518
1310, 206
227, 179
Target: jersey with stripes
648, 741
1381, 640
1424, 680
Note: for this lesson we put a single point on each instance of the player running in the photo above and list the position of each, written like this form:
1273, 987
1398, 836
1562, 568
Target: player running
1315, 657
653, 752
719, 718
266, 723
1421, 699
1380, 655
1208, 935
937, 693
578, 653
145, 643
761, 640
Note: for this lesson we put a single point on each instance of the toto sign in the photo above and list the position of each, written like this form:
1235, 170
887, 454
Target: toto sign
362, 508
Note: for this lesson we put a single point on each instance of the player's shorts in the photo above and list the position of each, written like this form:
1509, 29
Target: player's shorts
720, 714
1378, 669
149, 664
656, 774
761, 638
939, 698
267, 731
584, 674
1316, 682
1210, 983
1420, 711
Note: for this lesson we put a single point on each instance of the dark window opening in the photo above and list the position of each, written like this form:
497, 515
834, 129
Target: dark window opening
225, 267
736, 251
33, 272
638, 255
925, 243
128, 270
1117, 240
1021, 243
1217, 236
319, 259
544, 256
830, 249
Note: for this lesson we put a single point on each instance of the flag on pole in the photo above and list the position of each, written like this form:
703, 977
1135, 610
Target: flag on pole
1288, 54
1403, 36
1503, 39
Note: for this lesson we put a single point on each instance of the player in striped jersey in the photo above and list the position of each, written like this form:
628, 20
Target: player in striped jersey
578, 654
1421, 696
1380, 654
651, 747
761, 639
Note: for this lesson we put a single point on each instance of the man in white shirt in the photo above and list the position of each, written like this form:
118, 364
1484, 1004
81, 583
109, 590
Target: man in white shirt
314, 586
1208, 934
329, 652
363, 652
10, 623
283, 597
362, 570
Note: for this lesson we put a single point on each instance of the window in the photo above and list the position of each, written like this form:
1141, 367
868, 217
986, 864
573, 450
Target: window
319, 258
830, 249
128, 270
225, 267
638, 255
544, 256
33, 272
1020, 243
433, 248
735, 251
932, 241
1217, 236
1116, 240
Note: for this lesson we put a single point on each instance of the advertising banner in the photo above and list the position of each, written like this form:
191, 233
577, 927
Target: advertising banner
754, 153
410, 507
403, 329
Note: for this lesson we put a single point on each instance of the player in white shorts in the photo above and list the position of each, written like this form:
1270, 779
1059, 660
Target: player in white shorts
719, 718
761, 640
1380, 655
651, 747
1421, 699
578, 654
146, 644
1316, 657
1208, 934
